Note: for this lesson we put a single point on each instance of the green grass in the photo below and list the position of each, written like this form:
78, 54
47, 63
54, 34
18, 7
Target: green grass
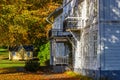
10, 64
6, 63
4, 55
3, 50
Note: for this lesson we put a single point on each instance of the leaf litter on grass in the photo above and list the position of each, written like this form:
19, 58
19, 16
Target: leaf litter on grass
12, 74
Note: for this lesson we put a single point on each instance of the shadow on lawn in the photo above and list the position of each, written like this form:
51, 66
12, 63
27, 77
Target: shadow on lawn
11, 70
42, 69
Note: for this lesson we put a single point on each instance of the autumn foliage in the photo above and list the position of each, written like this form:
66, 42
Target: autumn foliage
24, 21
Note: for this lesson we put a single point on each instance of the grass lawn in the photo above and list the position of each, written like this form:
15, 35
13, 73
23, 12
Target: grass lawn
10, 64
1, 49
3, 55
6, 63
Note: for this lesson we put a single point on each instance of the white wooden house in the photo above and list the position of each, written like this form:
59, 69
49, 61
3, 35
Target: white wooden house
95, 29
21, 52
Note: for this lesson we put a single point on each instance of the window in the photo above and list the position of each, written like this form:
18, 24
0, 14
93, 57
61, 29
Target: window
67, 51
58, 23
13, 53
28, 54
61, 23
59, 49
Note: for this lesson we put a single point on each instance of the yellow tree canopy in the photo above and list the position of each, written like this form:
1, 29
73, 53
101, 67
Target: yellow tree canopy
24, 21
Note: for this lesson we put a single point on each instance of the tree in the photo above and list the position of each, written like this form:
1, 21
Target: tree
24, 21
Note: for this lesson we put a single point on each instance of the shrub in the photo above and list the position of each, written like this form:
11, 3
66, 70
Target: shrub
44, 54
32, 66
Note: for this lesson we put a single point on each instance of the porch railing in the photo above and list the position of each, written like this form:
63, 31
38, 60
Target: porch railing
58, 33
74, 23
61, 60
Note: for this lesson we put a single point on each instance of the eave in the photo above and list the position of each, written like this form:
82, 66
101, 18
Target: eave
54, 14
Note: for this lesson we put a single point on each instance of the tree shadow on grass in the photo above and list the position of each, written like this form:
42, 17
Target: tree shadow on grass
17, 69
11, 70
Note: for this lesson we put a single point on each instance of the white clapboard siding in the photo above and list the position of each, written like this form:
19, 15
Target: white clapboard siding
111, 53
109, 10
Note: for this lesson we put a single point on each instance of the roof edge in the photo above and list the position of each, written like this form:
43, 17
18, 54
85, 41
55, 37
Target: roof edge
60, 9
